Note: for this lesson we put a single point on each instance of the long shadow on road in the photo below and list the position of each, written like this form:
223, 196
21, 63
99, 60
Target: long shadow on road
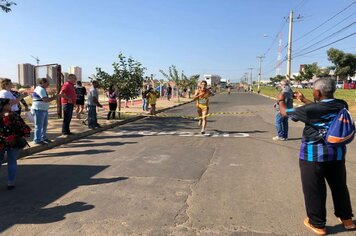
40, 185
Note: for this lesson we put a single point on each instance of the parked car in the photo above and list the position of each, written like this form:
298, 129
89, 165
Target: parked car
339, 84
349, 85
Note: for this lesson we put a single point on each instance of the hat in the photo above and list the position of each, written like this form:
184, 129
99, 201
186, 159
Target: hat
3, 103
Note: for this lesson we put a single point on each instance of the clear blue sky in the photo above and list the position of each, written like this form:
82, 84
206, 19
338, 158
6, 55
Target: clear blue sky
198, 36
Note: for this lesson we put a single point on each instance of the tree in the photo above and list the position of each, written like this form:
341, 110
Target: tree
127, 77
277, 79
6, 5
309, 70
345, 63
298, 78
173, 76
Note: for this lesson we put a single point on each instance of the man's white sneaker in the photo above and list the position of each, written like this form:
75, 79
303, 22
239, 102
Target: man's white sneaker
277, 138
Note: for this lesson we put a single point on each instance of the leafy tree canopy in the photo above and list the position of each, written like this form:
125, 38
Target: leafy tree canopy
127, 77
345, 63
6, 5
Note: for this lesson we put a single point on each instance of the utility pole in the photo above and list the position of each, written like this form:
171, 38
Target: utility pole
289, 56
250, 76
259, 74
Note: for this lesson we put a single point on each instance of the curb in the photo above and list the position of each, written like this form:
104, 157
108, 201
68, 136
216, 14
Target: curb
60, 141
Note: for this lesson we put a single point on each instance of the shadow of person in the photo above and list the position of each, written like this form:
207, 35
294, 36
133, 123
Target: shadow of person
54, 214
38, 186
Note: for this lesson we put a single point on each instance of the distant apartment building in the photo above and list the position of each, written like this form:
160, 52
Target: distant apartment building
65, 76
25, 73
52, 75
212, 80
77, 71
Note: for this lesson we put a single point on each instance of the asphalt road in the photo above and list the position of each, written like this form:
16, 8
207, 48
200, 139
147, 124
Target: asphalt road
159, 176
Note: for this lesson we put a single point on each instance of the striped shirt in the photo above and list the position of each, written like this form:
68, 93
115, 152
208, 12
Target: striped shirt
317, 118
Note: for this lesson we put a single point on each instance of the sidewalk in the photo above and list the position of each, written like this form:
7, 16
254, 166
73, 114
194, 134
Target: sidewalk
80, 130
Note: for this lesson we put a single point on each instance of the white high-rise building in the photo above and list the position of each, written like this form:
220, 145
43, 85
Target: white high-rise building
77, 71
25, 73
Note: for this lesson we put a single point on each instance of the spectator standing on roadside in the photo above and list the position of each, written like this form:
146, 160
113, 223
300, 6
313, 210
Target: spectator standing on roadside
93, 102
169, 92
152, 99
5, 92
319, 161
144, 98
68, 98
40, 106
12, 131
81, 92
24, 103
112, 94
281, 122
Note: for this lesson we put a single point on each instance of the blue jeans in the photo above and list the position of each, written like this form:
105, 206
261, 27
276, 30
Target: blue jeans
41, 122
12, 155
92, 119
145, 104
67, 117
281, 125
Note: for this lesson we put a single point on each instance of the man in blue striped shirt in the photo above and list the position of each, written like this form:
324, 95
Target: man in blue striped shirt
317, 160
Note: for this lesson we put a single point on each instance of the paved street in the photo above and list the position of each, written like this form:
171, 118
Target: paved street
159, 176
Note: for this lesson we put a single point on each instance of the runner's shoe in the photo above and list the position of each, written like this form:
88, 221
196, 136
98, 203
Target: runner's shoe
348, 224
318, 231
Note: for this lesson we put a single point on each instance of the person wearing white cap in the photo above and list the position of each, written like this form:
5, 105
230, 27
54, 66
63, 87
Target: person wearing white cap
280, 121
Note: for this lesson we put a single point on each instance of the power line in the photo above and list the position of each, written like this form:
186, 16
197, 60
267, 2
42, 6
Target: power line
327, 30
348, 36
283, 23
347, 7
301, 5
331, 35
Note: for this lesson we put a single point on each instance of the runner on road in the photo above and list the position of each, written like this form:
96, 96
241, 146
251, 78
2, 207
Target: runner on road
202, 95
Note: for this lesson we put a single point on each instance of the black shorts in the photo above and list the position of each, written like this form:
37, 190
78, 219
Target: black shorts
79, 102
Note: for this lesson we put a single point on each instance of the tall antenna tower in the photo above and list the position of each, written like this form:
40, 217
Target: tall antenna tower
279, 57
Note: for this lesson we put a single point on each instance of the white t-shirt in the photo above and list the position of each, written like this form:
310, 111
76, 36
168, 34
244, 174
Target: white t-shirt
93, 92
38, 94
7, 94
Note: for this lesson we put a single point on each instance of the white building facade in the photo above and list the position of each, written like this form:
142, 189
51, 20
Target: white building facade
77, 71
26, 74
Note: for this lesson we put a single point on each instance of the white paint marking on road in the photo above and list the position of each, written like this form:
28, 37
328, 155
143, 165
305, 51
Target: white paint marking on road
185, 134
156, 159
235, 165
182, 134
241, 135
167, 133
147, 133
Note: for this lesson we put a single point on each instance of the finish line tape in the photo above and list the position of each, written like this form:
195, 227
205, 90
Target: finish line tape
233, 113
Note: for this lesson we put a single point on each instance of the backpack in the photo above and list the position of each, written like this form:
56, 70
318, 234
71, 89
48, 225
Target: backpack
341, 130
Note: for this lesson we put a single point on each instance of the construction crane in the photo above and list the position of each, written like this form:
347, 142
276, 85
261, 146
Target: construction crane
37, 59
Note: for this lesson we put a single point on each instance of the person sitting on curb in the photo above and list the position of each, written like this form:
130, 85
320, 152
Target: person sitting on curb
319, 161
13, 129
93, 102
40, 106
